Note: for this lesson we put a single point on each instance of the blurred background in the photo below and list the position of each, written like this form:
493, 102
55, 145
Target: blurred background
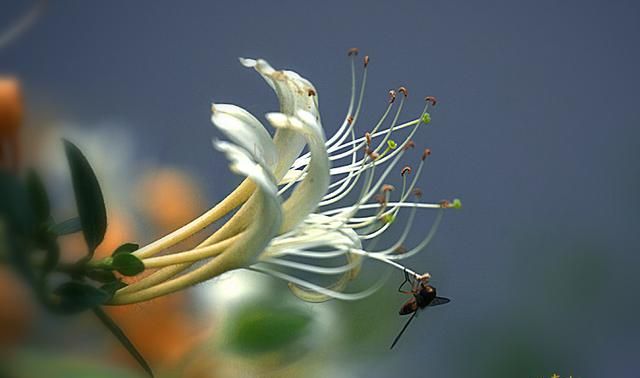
536, 130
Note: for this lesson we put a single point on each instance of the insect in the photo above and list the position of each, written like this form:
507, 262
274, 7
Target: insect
423, 295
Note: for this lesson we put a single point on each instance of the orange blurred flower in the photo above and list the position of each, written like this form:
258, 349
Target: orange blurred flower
16, 308
11, 114
170, 198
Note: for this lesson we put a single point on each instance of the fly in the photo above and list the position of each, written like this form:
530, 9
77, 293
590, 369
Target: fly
423, 295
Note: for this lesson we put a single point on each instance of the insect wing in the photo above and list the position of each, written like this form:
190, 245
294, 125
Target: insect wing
439, 301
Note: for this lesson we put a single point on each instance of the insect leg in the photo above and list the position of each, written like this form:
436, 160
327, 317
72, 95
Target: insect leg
403, 329
406, 279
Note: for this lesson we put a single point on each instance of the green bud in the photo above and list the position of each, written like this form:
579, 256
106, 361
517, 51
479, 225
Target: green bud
127, 264
426, 118
392, 144
456, 204
126, 248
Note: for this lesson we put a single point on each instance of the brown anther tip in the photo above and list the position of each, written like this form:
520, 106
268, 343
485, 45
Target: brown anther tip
426, 153
381, 199
387, 188
353, 51
374, 155
366, 60
431, 99
392, 96
444, 204
404, 91
405, 170
350, 120
400, 249
410, 144
367, 137
311, 92
417, 192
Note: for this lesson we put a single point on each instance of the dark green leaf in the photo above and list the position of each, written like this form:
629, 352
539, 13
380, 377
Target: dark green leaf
38, 197
69, 226
126, 248
17, 225
78, 296
89, 199
113, 286
14, 206
127, 264
101, 275
124, 340
52, 254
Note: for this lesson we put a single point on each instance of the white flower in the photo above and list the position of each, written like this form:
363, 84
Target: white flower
299, 220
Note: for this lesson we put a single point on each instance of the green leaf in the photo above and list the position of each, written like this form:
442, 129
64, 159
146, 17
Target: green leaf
127, 264
267, 328
38, 197
101, 275
52, 254
126, 248
14, 206
70, 226
78, 296
122, 337
89, 199
113, 286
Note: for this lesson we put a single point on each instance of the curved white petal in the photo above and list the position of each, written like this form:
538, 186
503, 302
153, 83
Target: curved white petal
294, 93
243, 163
305, 197
244, 130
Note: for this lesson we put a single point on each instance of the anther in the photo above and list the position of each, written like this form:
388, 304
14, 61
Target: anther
388, 218
387, 188
444, 204
311, 92
380, 198
371, 153
431, 100
417, 192
352, 51
400, 249
425, 153
367, 137
424, 277
405, 170
404, 91
350, 119
392, 96
408, 145
366, 60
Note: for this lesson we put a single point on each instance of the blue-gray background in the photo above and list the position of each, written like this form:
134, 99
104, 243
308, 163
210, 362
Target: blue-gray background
536, 130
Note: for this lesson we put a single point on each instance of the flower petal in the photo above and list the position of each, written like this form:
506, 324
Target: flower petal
305, 197
244, 130
294, 93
